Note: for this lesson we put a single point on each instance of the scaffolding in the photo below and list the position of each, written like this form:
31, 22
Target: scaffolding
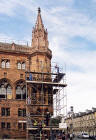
45, 96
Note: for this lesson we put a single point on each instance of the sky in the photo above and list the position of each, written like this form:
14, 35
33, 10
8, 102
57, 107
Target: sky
71, 26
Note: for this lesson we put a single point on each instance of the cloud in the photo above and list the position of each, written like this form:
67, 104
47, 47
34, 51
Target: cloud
10, 7
81, 80
81, 91
65, 22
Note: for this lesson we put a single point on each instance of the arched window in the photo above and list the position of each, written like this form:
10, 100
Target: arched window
9, 90
7, 64
5, 90
23, 66
3, 64
20, 91
19, 65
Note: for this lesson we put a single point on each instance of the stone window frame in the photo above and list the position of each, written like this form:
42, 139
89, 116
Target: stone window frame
5, 89
21, 65
21, 112
5, 63
5, 111
20, 89
8, 125
5, 125
21, 126
20, 92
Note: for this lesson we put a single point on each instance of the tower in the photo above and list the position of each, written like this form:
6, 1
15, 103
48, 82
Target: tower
41, 83
41, 56
39, 93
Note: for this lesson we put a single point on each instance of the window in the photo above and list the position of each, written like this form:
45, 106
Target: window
2, 91
5, 111
24, 126
5, 90
8, 125
5, 125
19, 125
2, 124
18, 90
21, 65
9, 90
5, 63
21, 90
21, 112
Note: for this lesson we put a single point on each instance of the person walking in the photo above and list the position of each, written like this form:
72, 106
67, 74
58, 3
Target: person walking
71, 136
63, 136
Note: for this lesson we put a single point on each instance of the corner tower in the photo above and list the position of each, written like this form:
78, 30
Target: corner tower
41, 55
41, 83
40, 68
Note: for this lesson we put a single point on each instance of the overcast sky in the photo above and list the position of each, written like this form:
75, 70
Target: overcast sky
71, 28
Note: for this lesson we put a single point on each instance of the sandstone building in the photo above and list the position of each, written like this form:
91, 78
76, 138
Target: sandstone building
14, 61
26, 84
82, 122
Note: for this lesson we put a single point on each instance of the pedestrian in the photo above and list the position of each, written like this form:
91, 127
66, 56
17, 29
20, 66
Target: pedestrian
63, 136
71, 136
66, 136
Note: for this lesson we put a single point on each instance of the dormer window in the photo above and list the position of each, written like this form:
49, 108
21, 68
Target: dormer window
21, 65
5, 63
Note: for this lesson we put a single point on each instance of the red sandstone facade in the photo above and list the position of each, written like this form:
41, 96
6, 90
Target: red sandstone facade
15, 60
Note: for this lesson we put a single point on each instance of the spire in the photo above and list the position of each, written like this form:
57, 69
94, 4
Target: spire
39, 23
39, 34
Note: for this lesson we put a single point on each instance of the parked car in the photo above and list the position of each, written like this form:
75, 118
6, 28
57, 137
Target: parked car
92, 137
83, 135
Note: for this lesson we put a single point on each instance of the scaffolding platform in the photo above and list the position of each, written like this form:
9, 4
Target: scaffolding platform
44, 128
45, 73
47, 83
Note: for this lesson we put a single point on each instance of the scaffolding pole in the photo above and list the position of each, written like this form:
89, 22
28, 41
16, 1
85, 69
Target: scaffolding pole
55, 84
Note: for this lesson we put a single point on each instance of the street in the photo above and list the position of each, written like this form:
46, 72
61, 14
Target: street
76, 139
